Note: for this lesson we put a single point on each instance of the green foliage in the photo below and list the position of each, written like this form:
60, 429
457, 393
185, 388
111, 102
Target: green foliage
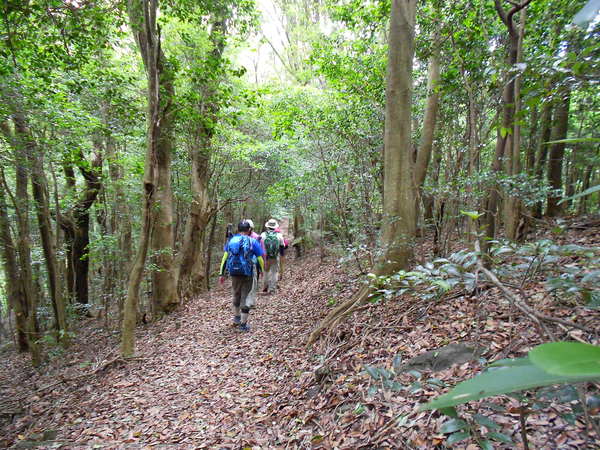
547, 364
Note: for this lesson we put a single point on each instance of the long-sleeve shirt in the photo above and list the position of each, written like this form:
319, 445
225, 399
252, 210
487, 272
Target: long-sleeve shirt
255, 250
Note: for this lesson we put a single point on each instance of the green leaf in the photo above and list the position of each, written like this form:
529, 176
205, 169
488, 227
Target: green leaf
457, 437
501, 437
511, 362
582, 194
486, 445
499, 381
587, 14
567, 358
397, 362
573, 141
593, 300
373, 372
450, 412
472, 214
485, 421
453, 425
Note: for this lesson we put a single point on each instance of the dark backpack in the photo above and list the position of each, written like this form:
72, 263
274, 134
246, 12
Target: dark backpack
239, 260
272, 244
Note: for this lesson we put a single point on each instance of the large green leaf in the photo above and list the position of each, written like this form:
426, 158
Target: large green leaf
567, 358
582, 194
500, 381
587, 14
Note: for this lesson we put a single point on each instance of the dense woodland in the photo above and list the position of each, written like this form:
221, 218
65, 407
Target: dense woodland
433, 159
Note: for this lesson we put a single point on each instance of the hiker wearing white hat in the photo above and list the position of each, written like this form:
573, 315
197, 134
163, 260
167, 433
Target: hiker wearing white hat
274, 246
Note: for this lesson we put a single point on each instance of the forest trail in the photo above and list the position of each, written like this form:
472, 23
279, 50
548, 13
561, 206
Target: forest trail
198, 381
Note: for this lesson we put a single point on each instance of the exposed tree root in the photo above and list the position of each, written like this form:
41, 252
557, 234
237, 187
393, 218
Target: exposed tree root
336, 315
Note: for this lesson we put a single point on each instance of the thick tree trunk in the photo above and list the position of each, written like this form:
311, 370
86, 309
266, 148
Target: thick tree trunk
557, 151
192, 263
142, 15
76, 224
399, 193
192, 270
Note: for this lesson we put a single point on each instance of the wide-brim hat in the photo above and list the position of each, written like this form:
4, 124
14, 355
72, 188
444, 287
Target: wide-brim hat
271, 224
250, 222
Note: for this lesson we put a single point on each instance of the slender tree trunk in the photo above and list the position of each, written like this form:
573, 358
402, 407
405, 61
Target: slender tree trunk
542, 150
39, 186
512, 105
209, 250
14, 286
587, 176
429, 121
533, 140
157, 207
557, 151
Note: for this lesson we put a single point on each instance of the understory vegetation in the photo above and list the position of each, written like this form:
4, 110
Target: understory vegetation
435, 167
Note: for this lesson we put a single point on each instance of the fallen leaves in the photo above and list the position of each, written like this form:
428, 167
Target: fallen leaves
205, 385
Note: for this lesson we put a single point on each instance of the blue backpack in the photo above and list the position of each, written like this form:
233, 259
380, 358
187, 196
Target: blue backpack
239, 258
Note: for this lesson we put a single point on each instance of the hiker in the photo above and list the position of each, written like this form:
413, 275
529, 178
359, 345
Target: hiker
251, 299
282, 254
238, 261
274, 246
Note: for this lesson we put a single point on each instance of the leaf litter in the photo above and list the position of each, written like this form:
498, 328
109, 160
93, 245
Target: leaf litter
198, 382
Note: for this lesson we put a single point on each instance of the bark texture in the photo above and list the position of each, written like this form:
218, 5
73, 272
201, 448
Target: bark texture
157, 215
399, 221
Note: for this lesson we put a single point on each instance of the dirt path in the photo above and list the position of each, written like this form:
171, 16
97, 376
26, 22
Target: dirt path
201, 381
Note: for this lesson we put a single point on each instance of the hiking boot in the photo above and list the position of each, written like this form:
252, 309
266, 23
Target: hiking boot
236, 320
244, 327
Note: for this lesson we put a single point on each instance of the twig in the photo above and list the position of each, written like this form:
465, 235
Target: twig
512, 298
589, 421
523, 420
390, 424
83, 375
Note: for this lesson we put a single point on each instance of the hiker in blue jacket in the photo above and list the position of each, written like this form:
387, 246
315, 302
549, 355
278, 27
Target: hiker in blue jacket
238, 262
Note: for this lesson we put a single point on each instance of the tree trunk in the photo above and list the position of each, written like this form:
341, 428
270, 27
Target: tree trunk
192, 270
533, 140
587, 176
511, 107
429, 121
192, 263
557, 151
157, 206
514, 205
14, 288
399, 193
542, 150
39, 186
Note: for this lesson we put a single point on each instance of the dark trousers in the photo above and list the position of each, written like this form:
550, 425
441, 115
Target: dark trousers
241, 286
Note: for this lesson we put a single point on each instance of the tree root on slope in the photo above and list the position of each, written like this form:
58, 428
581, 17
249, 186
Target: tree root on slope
336, 315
